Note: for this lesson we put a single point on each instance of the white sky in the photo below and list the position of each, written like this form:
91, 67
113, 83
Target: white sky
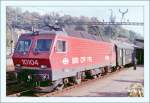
135, 14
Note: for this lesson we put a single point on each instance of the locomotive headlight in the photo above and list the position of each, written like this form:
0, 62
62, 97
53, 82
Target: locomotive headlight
18, 65
43, 66
29, 78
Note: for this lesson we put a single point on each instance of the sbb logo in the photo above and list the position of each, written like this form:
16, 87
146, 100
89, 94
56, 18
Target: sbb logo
65, 61
29, 62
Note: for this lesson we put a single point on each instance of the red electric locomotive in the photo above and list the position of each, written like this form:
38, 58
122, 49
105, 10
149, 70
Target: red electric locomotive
58, 55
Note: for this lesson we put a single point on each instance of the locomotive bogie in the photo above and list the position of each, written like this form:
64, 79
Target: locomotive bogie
33, 75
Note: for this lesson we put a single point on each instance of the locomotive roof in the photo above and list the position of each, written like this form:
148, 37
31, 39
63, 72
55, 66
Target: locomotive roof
82, 34
121, 44
73, 33
42, 32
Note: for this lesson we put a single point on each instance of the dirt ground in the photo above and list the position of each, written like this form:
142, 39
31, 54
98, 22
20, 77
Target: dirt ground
115, 85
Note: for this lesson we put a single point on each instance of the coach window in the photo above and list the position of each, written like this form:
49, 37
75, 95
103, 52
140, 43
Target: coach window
120, 52
127, 52
61, 46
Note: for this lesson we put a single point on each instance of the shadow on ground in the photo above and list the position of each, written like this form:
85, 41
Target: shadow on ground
108, 94
140, 66
131, 81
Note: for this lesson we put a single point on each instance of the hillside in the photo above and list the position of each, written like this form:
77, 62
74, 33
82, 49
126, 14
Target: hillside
18, 21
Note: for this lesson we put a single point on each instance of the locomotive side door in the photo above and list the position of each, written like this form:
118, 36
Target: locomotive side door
123, 56
120, 56
61, 50
59, 59
120, 59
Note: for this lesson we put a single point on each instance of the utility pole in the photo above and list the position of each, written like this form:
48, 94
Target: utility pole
13, 31
11, 41
123, 13
112, 18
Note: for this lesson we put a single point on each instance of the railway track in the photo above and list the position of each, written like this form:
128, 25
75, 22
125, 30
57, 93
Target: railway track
10, 68
10, 76
11, 82
32, 93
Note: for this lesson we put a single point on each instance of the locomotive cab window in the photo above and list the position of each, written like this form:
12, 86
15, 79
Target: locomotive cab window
43, 45
23, 45
61, 46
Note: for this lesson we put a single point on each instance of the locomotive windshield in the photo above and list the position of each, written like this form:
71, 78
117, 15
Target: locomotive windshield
43, 44
23, 45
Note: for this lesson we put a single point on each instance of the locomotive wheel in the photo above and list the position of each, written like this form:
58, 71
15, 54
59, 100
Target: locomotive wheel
102, 71
122, 67
78, 81
78, 78
94, 76
65, 81
118, 67
110, 69
99, 75
114, 69
83, 76
60, 87
105, 70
